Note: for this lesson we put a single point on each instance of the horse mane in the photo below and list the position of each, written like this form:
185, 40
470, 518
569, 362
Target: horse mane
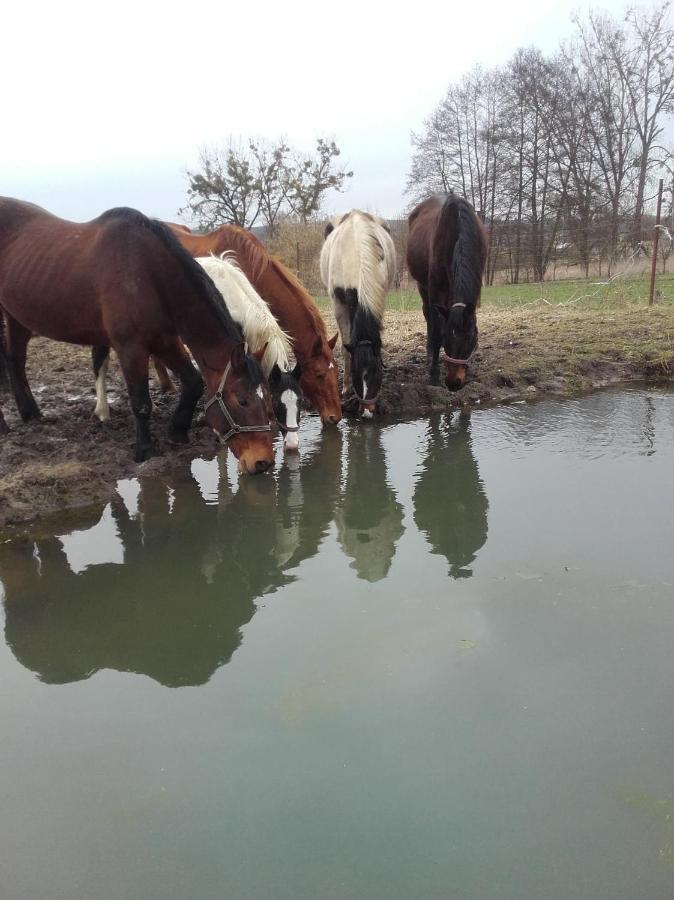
249, 309
459, 247
248, 246
362, 258
196, 275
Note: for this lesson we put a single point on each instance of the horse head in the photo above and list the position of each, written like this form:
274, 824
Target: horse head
286, 396
319, 380
239, 408
366, 373
459, 338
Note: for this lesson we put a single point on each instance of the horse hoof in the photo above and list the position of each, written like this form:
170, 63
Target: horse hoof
143, 453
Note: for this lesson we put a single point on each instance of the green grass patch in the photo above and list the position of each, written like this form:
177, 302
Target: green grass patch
592, 294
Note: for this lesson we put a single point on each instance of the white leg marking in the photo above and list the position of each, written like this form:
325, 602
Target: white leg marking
292, 438
102, 410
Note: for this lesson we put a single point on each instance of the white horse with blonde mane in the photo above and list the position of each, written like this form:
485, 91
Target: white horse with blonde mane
263, 335
358, 263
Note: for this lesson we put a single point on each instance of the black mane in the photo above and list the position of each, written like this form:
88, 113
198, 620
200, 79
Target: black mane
198, 277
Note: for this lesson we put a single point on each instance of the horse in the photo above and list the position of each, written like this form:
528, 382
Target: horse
446, 256
262, 334
358, 263
291, 305
124, 281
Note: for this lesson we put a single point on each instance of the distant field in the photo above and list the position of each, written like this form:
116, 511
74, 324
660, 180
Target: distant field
592, 294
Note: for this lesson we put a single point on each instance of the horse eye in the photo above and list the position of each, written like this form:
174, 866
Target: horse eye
320, 375
242, 401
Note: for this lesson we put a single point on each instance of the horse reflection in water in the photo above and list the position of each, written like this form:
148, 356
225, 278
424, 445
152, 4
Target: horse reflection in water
450, 504
190, 580
369, 518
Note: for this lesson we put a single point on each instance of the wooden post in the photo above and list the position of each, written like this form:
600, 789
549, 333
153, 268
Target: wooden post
297, 248
656, 238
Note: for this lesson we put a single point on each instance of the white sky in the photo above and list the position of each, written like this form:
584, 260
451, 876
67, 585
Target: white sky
107, 105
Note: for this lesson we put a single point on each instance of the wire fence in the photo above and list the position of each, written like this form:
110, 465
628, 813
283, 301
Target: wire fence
527, 254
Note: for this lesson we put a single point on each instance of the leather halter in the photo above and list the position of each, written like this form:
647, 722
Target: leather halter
234, 427
451, 359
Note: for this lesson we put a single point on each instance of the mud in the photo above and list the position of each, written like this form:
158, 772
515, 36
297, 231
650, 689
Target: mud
70, 460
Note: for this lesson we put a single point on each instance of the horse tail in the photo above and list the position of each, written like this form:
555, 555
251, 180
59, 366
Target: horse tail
460, 245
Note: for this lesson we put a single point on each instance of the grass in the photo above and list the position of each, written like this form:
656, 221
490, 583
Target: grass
592, 294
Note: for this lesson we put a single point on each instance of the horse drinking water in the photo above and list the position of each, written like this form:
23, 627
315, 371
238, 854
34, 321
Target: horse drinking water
358, 263
123, 281
261, 332
291, 305
446, 255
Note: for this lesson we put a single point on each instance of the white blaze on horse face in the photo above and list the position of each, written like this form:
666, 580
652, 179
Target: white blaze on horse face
331, 366
289, 400
364, 389
259, 392
102, 411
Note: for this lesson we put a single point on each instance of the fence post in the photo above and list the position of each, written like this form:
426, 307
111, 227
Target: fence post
655, 244
297, 250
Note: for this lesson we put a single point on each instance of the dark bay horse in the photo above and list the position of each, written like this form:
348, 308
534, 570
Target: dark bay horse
124, 281
293, 308
446, 255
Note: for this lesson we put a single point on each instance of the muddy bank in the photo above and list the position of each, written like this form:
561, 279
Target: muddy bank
70, 460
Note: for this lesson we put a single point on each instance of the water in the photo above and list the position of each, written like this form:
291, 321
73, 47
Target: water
430, 660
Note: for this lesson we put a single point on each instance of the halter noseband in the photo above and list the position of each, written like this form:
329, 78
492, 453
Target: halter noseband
451, 359
234, 427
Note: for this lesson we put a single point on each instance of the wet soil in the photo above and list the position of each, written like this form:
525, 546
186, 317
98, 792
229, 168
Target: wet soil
70, 460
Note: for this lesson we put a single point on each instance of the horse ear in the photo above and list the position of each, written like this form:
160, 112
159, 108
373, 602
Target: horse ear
259, 354
275, 374
329, 228
297, 372
348, 347
238, 357
333, 341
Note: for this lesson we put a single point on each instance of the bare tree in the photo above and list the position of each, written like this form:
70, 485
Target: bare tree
308, 178
245, 182
643, 53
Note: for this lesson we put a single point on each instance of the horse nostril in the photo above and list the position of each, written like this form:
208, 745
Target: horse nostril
261, 466
454, 384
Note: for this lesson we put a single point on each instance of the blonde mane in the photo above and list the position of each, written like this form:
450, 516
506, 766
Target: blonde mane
249, 310
359, 253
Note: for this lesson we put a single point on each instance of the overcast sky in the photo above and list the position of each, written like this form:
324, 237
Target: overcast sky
107, 105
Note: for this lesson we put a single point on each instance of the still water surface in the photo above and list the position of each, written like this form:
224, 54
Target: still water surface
434, 659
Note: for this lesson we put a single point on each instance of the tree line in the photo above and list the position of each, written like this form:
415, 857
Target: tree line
558, 151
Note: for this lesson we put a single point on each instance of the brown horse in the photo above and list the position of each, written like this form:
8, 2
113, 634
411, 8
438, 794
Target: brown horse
123, 281
446, 255
293, 308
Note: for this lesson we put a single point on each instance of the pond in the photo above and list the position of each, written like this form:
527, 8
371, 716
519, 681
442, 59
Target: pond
429, 659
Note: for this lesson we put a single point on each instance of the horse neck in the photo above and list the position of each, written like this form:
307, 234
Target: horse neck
293, 309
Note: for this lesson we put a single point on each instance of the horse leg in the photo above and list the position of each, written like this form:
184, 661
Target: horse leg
344, 325
165, 382
135, 362
100, 357
433, 344
179, 362
17, 343
4, 370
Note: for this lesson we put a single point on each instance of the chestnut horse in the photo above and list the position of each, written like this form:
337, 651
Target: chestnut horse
293, 308
123, 281
446, 255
